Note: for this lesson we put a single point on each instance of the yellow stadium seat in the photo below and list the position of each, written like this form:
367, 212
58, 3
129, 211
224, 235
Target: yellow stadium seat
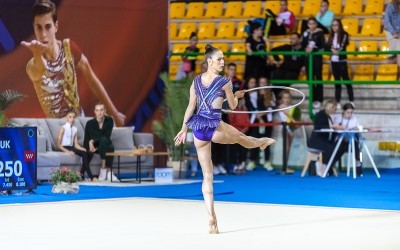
351, 48
367, 46
364, 72
177, 10
371, 27
178, 48
202, 50
295, 7
311, 7
233, 10
214, 10
173, 69
336, 7
384, 47
222, 46
274, 6
350, 25
240, 32
387, 72
226, 30
186, 29
195, 10
237, 47
206, 30
353, 7
374, 7
252, 9
240, 70
326, 71
173, 30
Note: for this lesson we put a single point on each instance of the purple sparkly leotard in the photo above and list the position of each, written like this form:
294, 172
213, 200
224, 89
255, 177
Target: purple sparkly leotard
207, 119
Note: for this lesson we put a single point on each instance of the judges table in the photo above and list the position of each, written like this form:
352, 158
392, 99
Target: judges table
138, 156
351, 159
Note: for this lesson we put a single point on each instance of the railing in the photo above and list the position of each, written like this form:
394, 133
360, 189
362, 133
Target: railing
310, 80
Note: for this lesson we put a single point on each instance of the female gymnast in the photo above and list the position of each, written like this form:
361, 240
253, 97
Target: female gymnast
208, 92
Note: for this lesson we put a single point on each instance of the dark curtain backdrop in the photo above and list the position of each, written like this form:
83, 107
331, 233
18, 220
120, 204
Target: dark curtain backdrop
125, 41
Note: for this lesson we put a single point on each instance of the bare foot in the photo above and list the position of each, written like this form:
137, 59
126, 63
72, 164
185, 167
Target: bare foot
213, 226
268, 141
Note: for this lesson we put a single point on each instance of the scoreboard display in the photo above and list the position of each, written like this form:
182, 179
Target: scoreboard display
18, 158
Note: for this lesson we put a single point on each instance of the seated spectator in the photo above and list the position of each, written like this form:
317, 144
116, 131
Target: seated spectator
67, 141
313, 41
289, 68
280, 24
325, 141
98, 140
324, 18
348, 121
256, 65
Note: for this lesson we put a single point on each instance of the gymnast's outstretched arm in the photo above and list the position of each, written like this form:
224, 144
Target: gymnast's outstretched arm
181, 136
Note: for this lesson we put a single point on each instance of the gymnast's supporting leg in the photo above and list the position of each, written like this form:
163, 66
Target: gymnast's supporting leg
227, 134
204, 154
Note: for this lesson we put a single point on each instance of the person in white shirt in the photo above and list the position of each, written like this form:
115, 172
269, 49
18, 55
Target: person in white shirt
67, 141
348, 121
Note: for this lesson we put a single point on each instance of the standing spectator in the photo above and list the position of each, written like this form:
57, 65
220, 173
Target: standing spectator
256, 65
188, 66
252, 100
285, 99
289, 68
98, 140
392, 27
267, 101
313, 40
324, 18
237, 84
240, 122
280, 24
67, 141
338, 41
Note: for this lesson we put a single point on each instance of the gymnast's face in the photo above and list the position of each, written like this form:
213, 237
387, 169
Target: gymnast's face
216, 62
45, 28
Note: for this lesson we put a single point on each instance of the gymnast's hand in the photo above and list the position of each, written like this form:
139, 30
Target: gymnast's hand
180, 138
239, 93
36, 47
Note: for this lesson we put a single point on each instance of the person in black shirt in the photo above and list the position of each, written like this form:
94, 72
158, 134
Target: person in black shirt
338, 41
289, 68
326, 141
256, 66
97, 139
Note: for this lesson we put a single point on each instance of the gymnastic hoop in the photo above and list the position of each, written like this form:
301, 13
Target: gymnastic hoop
268, 111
